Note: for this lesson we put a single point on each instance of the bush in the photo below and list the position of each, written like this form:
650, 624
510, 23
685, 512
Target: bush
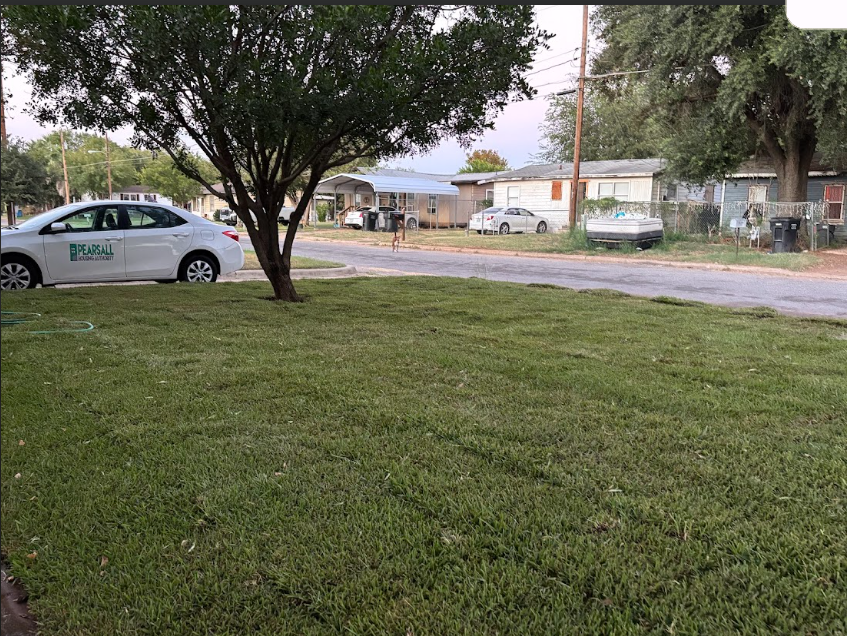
598, 207
323, 211
217, 216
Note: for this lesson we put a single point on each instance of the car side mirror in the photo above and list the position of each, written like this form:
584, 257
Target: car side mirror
57, 227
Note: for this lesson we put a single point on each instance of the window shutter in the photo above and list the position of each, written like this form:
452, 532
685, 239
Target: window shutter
557, 191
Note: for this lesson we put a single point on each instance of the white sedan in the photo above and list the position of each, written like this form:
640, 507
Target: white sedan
116, 241
508, 221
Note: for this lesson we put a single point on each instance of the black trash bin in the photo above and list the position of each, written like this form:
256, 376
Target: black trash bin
784, 234
825, 234
391, 221
371, 221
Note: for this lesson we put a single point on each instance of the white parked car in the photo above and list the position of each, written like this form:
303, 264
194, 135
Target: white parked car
284, 217
508, 221
116, 241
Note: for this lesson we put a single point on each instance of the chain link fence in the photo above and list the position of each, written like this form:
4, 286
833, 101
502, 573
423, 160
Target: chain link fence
711, 221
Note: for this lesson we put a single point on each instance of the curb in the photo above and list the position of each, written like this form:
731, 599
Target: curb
258, 274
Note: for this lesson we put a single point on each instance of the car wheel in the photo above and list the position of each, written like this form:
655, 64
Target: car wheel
18, 273
541, 228
504, 228
479, 231
412, 224
198, 269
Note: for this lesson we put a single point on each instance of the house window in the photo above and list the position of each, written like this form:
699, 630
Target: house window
757, 194
709, 194
357, 200
556, 194
671, 192
619, 190
129, 197
834, 195
151, 198
513, 196
489, 195
432, 204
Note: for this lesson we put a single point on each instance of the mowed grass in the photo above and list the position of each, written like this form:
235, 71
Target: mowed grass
297, 262
676, 248
423, 456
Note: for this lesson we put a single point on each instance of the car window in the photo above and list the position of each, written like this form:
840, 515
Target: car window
491, 210
96, 219
525, 212
142, 217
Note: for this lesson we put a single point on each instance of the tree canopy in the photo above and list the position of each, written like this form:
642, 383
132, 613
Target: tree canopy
727, 81
613, 127
270, 93
85, 155
484, 161
23, 179
164, 177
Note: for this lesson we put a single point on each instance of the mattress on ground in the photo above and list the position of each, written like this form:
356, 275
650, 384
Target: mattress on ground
624, 229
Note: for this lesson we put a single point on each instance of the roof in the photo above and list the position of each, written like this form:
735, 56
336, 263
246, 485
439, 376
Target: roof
596, 169
135, 189
349, 182
475, 177
217, 187
763, 167
391, 172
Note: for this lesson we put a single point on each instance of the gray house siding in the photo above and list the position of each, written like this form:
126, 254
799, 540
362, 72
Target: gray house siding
737, 190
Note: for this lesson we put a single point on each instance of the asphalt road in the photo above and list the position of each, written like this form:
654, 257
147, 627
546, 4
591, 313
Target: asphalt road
798, 296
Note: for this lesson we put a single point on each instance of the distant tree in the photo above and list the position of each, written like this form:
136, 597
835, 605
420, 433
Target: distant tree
271, 93
727, 81
613, 127
484, 161
86, 158
165, 178
23, 179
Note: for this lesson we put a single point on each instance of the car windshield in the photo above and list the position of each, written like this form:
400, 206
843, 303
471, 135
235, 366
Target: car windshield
38, 219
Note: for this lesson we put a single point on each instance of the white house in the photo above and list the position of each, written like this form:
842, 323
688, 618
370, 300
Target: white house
546, 188
140, 193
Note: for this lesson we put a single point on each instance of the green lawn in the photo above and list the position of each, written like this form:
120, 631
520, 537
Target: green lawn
297, 262
423, 456
675, 248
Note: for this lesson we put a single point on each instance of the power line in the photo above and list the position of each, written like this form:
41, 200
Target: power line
541, 70
552, 57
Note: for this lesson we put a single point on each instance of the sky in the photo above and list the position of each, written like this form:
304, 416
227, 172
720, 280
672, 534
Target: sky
515, 135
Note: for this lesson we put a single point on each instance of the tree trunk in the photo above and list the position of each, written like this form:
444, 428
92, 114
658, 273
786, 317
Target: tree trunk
276, 266
792, 174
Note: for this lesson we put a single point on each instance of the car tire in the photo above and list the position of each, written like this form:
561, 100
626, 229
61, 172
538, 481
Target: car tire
198, 268
479, 231
541, 228
18, 272
411, 224
504, 228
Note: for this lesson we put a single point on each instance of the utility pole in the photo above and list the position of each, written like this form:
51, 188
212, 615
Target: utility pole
579, 100
65, 168
108, 165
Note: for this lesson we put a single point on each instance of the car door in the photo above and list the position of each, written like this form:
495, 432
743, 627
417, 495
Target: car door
530, 220
90, 248
156, 239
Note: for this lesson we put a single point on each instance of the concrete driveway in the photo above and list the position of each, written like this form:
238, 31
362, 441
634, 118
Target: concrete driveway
790, 295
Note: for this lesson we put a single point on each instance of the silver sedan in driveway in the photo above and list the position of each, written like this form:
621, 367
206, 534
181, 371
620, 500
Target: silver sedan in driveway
508, 221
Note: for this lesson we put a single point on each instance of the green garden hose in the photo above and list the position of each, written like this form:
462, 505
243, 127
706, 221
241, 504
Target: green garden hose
21, 320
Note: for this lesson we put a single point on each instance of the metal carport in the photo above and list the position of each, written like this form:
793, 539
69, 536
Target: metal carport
427, 202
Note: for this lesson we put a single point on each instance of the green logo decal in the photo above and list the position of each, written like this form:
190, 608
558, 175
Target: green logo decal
93, 252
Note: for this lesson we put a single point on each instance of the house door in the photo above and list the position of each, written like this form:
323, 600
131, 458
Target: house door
834, 195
